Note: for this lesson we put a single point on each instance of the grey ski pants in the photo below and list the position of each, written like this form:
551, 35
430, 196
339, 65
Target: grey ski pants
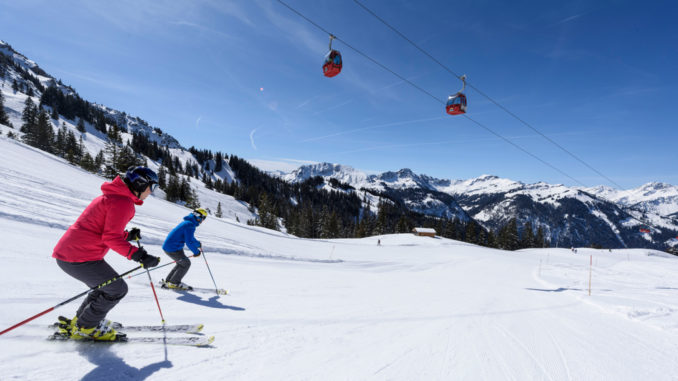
183, 264
98, 302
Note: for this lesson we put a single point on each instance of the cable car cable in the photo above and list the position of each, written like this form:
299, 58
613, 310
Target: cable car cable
488, 97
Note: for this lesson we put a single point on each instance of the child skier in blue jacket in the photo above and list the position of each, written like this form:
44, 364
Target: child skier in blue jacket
182, 235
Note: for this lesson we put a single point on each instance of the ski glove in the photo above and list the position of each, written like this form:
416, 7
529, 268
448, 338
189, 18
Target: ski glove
133, 235
147, 261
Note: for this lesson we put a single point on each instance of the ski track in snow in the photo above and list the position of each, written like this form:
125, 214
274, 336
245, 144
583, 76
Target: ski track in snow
412, 308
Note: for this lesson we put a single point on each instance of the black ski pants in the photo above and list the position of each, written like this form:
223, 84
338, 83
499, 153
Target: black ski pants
183, 264
98, 302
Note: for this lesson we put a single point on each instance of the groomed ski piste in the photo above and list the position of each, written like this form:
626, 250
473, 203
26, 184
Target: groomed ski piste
413, 308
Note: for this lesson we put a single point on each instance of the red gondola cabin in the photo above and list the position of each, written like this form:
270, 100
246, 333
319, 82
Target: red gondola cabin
456, 104
332, 65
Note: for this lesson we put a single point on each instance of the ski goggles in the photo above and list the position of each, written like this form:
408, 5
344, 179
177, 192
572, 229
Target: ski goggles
199, 217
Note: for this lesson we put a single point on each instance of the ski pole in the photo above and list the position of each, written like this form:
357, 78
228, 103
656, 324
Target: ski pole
104, 284
153, 288
216, 289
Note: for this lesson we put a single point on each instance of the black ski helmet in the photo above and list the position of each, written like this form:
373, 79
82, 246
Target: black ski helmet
138, 178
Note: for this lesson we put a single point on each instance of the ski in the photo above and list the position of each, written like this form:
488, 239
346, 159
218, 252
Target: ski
183, 328
195, 341
220, 291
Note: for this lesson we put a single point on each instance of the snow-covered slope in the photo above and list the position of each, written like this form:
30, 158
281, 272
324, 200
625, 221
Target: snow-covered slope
412, 308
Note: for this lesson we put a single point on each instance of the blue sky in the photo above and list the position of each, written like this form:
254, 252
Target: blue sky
244, 77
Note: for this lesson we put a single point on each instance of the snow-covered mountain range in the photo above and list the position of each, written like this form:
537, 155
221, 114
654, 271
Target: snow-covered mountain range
571, 216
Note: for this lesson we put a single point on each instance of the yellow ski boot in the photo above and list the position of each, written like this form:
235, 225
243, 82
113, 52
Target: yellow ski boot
101, 332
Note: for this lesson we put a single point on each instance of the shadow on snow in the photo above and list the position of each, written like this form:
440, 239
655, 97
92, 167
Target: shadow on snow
212, 302
111, 367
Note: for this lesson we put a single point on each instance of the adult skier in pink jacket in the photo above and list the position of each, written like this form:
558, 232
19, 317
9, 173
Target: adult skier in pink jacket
81, 250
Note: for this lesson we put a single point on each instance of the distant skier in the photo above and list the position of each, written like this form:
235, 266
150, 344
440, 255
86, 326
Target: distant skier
183, 234
80, 251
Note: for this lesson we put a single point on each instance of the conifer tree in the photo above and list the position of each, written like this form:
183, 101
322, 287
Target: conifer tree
307, 222
30, 117
267, 217
539, 240
45, 133
527, 239
471, 232
112, 152
491, 239
440, 226
508, 238
481, 237
218, 166
99, 160
324, 221
185, 191
100, 124
126, 158
380, 223
81, 125
361, 228
60, 143
4, 119
81, 147
87, 162
451, 229
162, 177
333, 226
193, 201
402, 225
173, 191
114, 134
219, 213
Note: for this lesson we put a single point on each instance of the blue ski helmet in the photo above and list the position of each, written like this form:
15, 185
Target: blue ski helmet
138, 178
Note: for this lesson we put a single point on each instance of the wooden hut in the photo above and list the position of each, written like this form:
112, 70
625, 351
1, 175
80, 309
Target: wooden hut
424, 232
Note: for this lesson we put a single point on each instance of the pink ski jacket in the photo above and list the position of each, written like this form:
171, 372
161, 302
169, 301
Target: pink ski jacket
101, 226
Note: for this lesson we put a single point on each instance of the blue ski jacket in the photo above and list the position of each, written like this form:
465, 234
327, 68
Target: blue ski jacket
183, 234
